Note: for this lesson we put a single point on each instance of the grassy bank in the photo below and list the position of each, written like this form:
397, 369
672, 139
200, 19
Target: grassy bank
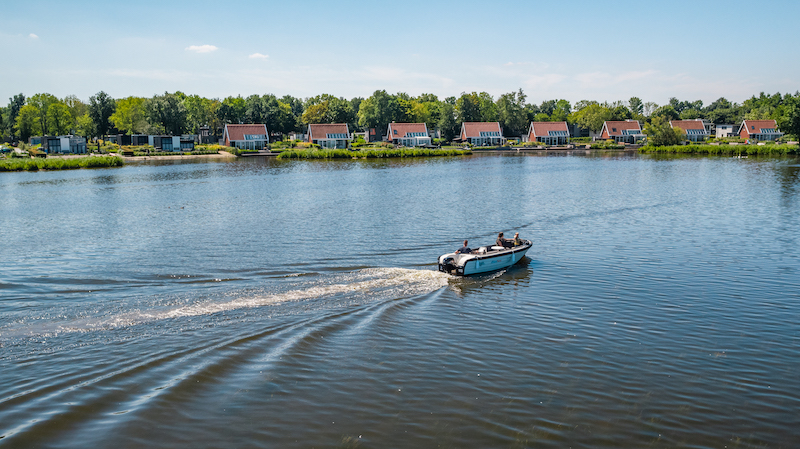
19, 164
370, 154
725, 150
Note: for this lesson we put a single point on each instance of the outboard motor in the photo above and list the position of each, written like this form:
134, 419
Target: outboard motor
447, 265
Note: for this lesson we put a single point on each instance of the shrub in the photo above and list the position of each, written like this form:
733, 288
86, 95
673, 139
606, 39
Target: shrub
730, 150
60, 163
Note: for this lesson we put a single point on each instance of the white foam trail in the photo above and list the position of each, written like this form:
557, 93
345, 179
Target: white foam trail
378, 283
398, 281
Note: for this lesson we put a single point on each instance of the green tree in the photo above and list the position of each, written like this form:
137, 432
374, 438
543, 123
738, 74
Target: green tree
167, 112
84, 126
255, 110
59, 119
42, 103
649, 108
278, 116
621, 112
76, 107
15, 103
691, 113
592, 117
487, 107
101, 106
282, 119
426, 109
660, 133
232, 110
468, 108
667, 111
27, 123
761, 112
199, 112
378, 110
355, 105
547, 107
404, 110
636, 106
511, 113
328, 109
129, 115
297, 108
789, 121
561, 111
448, 123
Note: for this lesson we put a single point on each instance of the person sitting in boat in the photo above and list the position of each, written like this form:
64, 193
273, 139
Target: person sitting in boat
465, 250
517, 240
505, 243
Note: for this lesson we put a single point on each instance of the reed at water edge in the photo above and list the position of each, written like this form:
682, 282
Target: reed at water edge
731, 150
27, 164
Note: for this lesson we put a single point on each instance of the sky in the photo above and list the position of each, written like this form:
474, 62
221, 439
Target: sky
570, 49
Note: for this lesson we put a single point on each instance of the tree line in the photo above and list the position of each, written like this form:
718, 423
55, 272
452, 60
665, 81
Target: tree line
177, 113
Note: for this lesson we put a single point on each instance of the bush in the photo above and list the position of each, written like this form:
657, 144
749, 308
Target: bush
60, 163
729, 150
607, 145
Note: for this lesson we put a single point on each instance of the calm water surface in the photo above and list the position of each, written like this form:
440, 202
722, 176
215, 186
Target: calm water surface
262, 303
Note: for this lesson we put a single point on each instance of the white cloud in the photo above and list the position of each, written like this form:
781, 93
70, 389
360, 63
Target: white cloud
258, 56
33, 36
201, 48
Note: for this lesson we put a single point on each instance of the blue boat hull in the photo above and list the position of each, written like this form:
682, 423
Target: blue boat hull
477, 263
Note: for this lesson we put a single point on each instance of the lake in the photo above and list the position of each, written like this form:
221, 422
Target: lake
266, 303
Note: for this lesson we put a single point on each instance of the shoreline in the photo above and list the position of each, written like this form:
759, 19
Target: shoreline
224, 155
177, 157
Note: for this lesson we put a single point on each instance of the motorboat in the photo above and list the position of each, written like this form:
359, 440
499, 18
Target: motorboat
483, 259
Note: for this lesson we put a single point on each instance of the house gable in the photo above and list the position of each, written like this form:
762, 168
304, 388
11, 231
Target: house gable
759, 127
243, 133
480, 129
406, 130
616, 128
547, 129
328, 131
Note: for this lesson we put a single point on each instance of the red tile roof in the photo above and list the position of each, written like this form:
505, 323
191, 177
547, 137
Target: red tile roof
755, 126
615, 127
404, 128
542, 129
321, 131
687, 124
474, 129
237, 132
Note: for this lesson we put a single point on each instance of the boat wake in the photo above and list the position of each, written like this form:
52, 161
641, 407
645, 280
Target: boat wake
361, 286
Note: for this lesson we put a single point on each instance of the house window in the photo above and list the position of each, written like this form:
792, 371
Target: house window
54, 145
166, 144
394, 131
187, 145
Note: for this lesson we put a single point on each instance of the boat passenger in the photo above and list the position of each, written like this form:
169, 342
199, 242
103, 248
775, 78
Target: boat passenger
465, 249
517, 240
505, 243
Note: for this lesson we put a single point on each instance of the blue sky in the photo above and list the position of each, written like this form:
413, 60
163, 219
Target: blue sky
571, 49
